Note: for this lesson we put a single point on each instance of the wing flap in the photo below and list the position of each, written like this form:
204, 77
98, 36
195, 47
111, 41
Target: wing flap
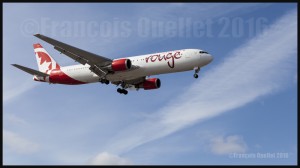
71, 55
30, 71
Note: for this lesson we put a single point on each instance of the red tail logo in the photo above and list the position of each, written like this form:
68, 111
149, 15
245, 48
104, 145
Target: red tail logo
44, 58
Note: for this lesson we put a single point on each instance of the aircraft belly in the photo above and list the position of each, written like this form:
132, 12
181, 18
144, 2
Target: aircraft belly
83, 75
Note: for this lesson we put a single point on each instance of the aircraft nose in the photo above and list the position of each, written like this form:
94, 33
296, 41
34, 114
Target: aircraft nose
210, 58
207, 58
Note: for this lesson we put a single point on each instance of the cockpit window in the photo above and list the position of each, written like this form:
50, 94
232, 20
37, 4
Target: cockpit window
203, 52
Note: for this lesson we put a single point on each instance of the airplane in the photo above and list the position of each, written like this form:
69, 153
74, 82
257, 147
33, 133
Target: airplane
128, 72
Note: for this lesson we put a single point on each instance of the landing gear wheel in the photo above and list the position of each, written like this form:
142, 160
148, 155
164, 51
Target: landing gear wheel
104, 81
122, 91
196, 76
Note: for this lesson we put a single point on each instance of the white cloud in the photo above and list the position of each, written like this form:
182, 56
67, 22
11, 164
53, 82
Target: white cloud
255, 69
105, 158
11, 118
18, 143
13, 89
226, 145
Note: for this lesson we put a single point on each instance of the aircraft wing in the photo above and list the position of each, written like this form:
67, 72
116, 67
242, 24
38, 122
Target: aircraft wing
30, 71
96, 62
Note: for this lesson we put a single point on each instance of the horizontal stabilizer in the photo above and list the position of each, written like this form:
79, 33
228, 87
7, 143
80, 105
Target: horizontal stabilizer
30, 71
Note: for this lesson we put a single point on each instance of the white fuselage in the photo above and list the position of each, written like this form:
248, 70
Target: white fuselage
146, 65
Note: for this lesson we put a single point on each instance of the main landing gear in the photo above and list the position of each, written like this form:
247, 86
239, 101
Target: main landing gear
104, 81
122, 91
197, 69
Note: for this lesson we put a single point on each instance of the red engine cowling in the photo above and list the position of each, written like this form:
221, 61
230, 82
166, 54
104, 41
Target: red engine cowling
151, 83
121, 65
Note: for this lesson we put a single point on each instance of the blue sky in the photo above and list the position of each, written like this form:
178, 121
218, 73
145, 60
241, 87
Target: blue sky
242, 106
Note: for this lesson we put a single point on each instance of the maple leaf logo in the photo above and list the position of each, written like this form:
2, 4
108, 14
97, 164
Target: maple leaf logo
44, 58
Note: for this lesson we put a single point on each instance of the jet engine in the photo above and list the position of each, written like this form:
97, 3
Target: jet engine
151, 83
121, 65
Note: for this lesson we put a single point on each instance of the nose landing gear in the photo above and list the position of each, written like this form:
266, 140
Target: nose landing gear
197, 70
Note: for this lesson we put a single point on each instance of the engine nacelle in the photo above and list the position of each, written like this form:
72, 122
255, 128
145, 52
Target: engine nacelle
121, 65
151, 83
